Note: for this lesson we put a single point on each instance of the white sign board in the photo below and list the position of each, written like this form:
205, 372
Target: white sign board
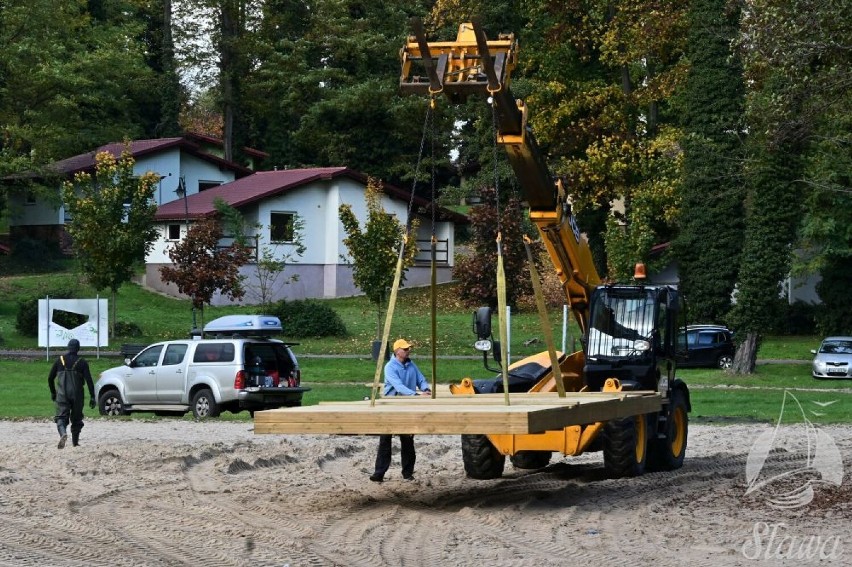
94, 331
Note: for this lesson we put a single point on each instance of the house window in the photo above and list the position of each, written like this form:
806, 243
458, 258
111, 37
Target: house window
173, 232
30, 199
281, 227
205, 185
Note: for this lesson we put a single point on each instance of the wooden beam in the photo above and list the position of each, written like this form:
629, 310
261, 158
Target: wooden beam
480, 414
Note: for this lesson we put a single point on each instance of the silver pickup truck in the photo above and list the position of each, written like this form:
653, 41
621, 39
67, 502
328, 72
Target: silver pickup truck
205, 376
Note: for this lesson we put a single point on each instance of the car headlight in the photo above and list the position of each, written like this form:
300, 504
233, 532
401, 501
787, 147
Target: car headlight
483, 345
642, 345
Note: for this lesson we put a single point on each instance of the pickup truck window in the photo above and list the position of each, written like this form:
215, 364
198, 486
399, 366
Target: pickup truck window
174, 354
148, 357
215, 352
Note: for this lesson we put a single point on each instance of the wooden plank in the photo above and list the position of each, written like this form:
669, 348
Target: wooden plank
453, 416
534, 398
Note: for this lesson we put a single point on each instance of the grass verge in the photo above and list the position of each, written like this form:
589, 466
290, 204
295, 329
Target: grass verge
716, 396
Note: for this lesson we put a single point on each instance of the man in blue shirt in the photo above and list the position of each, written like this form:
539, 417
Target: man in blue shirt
402, 378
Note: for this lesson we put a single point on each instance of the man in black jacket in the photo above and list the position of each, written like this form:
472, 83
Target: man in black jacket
71, 369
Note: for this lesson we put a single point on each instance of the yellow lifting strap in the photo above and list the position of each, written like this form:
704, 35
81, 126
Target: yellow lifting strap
434, 305
501, 317
380, 360
546, 329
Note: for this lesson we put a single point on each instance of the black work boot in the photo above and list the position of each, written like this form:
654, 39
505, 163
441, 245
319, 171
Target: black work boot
75, 438
63, 435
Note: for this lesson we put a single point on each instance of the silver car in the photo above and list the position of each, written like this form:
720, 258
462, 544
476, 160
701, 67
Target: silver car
833, 359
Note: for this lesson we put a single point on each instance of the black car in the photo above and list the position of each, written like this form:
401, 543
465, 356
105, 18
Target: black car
710, 346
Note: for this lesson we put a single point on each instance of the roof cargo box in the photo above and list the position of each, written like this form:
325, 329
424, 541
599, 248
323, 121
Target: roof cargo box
253, 325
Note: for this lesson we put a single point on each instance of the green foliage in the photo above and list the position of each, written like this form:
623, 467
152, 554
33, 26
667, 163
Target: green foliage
307, 318
798, 77
800, 318
26, 319
477, 272
29, 255
66, 88
771, 220
833, 289
126, 329
375, 249
654, 208
601, 76
201, 268
711, 218
112, 217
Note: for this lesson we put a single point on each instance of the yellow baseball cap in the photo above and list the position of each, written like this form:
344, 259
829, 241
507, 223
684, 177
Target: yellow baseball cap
401, 343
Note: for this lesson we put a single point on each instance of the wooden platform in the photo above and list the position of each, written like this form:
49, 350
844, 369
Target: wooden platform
454, 415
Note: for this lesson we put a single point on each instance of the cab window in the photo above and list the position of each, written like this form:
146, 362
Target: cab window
148, 357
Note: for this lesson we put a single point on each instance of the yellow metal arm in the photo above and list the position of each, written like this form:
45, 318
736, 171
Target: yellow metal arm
473, 65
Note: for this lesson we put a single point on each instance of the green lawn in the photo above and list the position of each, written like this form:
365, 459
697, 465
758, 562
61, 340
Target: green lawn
715, 395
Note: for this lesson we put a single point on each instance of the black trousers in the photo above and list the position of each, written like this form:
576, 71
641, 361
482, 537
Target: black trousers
383, 459
70, 412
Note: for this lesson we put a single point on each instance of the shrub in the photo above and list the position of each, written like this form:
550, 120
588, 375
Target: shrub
307, 318
800, 318
26, 319
125, 329
30, 255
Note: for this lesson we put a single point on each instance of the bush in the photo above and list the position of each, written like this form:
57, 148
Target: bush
125, 329
26, 319
800, 318
307, 318
31, 255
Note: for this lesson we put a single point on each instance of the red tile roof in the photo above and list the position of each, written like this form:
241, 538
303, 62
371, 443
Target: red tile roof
264, 184
139, 148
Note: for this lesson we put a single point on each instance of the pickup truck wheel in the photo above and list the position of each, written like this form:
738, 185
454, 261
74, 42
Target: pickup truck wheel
204, 405
481, 460
625, 446
667, 454
531, 459
109, 403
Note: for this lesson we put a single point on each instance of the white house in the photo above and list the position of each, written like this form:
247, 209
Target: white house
271, 199
191, 158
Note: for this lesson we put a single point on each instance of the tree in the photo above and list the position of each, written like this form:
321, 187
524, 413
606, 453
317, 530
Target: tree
65, 87
477, 272
797, 65
202, 268
167, 94
374, 251
772, 215
712, 216
598, 78
111, 224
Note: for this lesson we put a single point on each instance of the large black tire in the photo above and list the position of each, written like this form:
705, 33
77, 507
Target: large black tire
667, 454
625, 446
531, 459
481, 460
204, 404
725, 361
109, 403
